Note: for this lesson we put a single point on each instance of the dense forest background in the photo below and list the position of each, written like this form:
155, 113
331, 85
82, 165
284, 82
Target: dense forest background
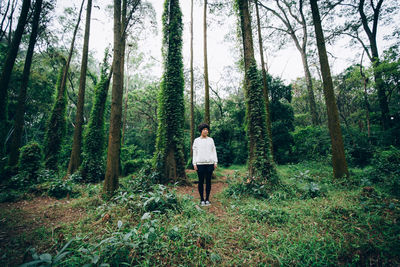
69, 119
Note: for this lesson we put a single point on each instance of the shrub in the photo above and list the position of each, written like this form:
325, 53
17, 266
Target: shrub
132, 166
30, 160
311, 143
60, 188
386, 169
358, 149
159, 200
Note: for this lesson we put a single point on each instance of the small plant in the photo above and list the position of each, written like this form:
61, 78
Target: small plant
47, 259
61, 188
159, 200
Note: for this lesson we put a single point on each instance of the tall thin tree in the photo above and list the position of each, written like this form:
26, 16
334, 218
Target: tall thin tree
206, 82
75, 160
56, 124
20, 112
114, 137
338, 157
191, 83
261, 167
264, 77
169, 157
7, 70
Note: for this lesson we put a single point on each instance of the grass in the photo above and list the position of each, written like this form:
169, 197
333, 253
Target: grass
340, 224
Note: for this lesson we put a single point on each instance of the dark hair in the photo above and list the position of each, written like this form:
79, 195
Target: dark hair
202, 126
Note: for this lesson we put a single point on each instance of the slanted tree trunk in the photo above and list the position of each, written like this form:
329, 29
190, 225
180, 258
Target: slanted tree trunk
56, 125
191, 83
75, 160
206, 83
20, 112
169, 158
114, 137
338, 157
7, 70
261, 167
264, 76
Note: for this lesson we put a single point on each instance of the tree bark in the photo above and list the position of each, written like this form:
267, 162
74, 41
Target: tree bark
338, 156
114, 138
7, 70
206, 84
261, 168
75, 160
191, 83
20, 112
264, 76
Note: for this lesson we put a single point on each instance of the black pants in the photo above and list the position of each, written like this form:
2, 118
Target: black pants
205, 172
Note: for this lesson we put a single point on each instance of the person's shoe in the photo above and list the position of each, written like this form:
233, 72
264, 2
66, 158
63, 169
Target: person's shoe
207, 203
203, 203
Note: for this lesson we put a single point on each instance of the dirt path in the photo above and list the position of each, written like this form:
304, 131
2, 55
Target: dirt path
217, 186
23, 223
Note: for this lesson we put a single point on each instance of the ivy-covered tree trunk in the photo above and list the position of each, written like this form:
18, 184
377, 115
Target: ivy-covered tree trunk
261, 167
169, 157
93, 167
7, 70
75, 160
20, 112
206, 82
191, 83
264, 77
338, 157
56, 126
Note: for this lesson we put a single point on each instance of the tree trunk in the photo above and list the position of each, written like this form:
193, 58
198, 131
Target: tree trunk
380, 86
338, 156
264, 76
310, 90
206, 84
261, 168
114, 138
20, 112
191, 83
56, 125
169, 159
7, 70
75, 160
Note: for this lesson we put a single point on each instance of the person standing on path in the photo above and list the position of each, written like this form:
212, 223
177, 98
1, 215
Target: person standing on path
204, 161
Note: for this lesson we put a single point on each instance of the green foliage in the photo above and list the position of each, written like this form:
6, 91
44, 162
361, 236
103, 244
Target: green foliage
157, 200
261, 167
93, 163
132, 166
358, 147
169, 158
386, 169
282, 117
47, 259
60, 188
260, 213
229, 134
311, 143
56, 127
30, 162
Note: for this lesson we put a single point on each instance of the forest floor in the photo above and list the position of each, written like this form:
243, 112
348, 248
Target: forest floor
310, 221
